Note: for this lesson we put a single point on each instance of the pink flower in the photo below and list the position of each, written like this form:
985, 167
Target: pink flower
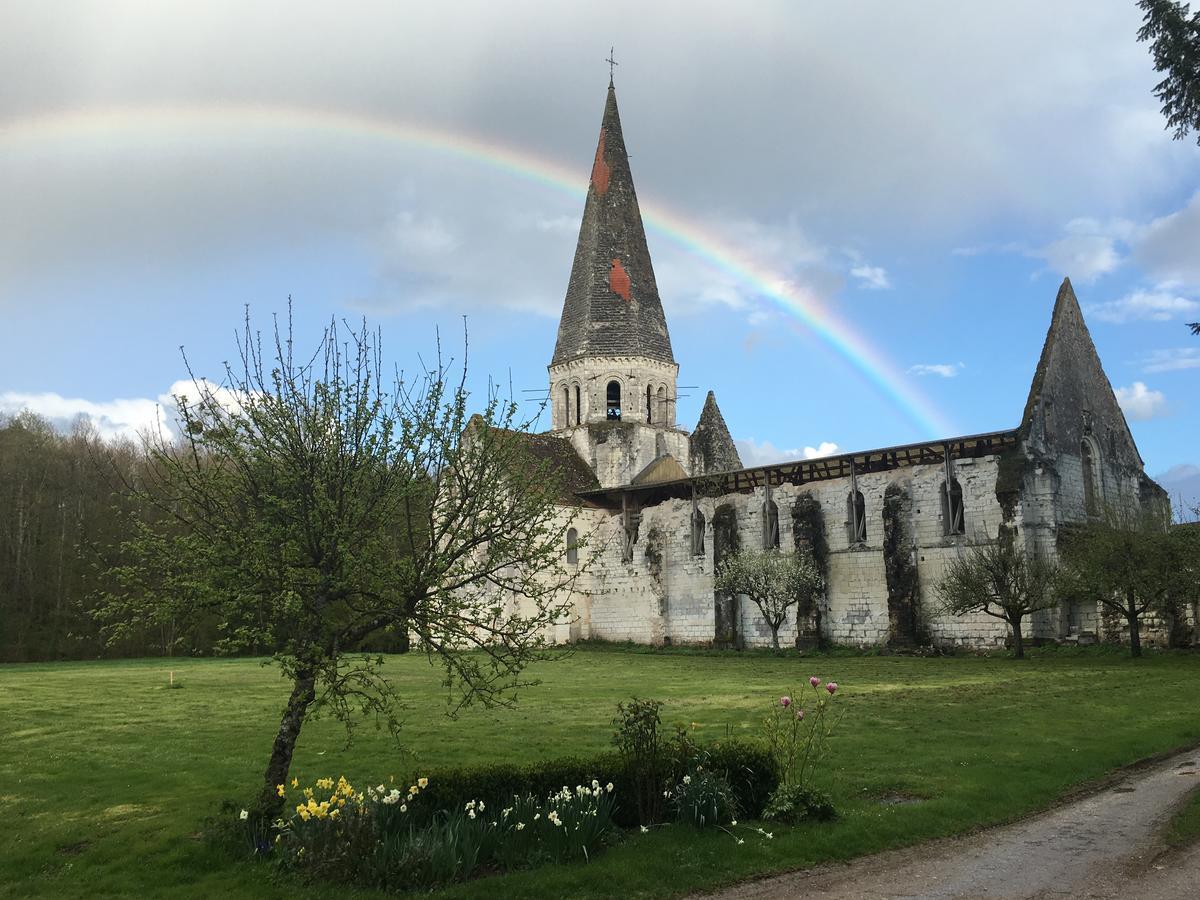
799, 714
814, 681
831, 687
785, 702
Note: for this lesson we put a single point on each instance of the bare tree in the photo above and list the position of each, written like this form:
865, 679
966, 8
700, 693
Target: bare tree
314, 502
773, 581
1000, 580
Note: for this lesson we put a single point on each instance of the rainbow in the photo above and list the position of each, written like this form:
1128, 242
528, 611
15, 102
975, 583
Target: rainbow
772, 287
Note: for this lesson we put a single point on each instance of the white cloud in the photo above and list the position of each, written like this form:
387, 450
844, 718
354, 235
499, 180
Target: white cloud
943, 370
1140, 403
130, 417
1182, 482
1089, 248
1172, 360
122, 418
1157, 305
1167, 246
765, 453
825, 448
873, 277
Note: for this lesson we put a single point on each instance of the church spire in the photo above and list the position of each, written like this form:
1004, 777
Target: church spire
612, 307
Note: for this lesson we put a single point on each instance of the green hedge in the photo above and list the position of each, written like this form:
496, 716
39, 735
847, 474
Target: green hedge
747, 766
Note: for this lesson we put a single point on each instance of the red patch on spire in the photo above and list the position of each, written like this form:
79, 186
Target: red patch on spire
618, 280
600, 169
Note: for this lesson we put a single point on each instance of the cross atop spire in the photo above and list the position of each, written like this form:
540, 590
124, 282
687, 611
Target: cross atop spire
611, 62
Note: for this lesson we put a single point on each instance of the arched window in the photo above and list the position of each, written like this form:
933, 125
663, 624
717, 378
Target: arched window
697, 532
614, 400
566, 407
1091, 493
572, 546
953, 516
661, 399
856, 517
649, 407
770, 525
578, 407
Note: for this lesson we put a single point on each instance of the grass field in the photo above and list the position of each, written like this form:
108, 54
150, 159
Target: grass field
106, 775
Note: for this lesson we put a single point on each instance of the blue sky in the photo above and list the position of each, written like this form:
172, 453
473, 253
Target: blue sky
927, 174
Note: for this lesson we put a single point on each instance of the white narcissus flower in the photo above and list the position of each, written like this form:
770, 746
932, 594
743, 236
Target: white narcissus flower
244, 815
687, 779
645, 829
608, 787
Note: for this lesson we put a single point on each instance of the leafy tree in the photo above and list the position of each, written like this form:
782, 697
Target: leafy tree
1174, 36
1129, 562
1195, 326
313, 503
774, 581
1000, 580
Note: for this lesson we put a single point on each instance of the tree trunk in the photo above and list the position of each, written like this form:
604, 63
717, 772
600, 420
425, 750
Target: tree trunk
775, 637
303, 693
1018, 640
1135, 633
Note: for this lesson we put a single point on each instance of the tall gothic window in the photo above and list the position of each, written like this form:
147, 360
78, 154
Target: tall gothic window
649, 408
614, 400
953, 516
1090, 492
578, 407
697, 532
572, 546
856, 517
661, 402
770, 525
566, 416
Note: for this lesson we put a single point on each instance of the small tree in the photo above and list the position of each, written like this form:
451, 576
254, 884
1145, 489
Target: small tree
313, 502
773, 581
1127, 561
1000, 580
1174, 35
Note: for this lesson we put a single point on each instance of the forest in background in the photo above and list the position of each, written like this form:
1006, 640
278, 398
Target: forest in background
65, 511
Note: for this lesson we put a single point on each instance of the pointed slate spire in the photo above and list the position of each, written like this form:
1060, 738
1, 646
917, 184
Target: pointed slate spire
710, 446
612, 306
1071, 397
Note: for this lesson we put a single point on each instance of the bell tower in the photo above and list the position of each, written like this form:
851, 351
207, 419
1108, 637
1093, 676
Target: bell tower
613, 377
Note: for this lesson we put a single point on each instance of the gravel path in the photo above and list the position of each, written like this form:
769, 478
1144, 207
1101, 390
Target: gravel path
1100, 846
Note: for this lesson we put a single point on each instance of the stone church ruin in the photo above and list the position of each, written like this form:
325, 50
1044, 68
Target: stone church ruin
659, 506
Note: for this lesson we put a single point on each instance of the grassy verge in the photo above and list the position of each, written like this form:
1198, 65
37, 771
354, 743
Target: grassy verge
1184, 828
106, 774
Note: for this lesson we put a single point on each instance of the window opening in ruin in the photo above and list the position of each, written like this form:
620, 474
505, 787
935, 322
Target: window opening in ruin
566, 417
630, 519
953, 516
572, 546
770, 524
649, 408
1089, 478
578, 406
856, 517
614, 401
697, 530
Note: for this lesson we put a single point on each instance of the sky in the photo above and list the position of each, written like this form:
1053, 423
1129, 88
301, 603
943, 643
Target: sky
859, 214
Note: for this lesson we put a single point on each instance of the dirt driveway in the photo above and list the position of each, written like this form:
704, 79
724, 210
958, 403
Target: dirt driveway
1100, 846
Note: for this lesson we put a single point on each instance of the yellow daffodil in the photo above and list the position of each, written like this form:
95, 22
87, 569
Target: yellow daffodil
422, 783
279, 789
295, 782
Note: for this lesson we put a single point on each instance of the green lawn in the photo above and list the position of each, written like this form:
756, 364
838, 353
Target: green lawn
106, 775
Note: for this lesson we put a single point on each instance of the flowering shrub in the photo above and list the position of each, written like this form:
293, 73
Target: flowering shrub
702, 798
797, 730
389, 838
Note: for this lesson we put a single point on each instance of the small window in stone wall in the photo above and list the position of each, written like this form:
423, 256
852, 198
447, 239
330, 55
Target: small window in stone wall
856, 517
649, 407
572, 546
578, 406
566, 407
954, 520
661, 403
697, 533
613, 398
